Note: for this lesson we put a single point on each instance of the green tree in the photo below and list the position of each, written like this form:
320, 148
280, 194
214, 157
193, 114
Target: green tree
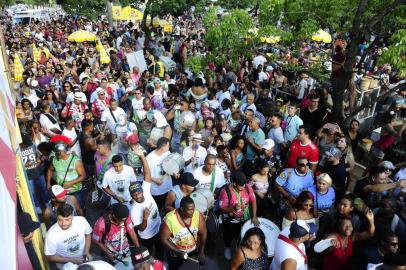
89, 8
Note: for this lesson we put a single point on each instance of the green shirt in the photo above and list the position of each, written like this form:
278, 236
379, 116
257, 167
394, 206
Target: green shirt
61, 166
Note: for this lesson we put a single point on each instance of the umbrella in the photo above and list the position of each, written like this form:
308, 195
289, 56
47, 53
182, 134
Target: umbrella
322, 36
104, 57
18, 68
82, 36
35, 53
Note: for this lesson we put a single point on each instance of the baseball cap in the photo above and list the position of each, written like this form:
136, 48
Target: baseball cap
334, 152
58, 192
268, 144
300, 228
387, 165
140, 255
133, 138
135, 187
26, 224
197, 137
189, 180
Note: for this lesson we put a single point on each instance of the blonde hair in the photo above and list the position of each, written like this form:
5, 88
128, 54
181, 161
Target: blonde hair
325, 178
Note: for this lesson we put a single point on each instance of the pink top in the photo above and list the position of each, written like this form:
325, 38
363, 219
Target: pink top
242, 199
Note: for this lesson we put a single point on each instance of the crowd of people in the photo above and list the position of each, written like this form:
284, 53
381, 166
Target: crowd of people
118, 159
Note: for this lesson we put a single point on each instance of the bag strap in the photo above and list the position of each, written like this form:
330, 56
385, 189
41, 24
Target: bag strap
213, 176
187, 227
112, 114
290, 242
67, 169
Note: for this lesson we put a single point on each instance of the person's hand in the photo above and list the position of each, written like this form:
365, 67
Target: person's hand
255, 221
67, 185
335, 243
110, 256
120, 199
402, 183
29, 164
237, 207
202, 259
88, 257
369, 214
181, 254
78, 260
158, 181
146, 213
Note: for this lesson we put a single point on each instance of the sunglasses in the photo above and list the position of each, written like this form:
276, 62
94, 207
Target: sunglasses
303, 164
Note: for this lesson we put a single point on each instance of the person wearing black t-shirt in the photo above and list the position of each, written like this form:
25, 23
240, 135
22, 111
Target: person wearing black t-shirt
313, 115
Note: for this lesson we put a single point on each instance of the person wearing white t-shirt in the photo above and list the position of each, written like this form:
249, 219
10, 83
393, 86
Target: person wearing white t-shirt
290, 251
194, 154
70, 132
144, 210
208, 172
110, 116
69, 239
303, 86
117, 180
161, 182
259, 60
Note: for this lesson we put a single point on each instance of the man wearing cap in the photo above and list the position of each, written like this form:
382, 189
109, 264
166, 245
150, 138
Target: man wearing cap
75, 109
388, 166
267, 156
187, 185
101, 103
117, 180
194, 154
111, 234
183, 233
336, 170
133, 159
27, 227
59, 196
142, 260
144, 210
236, 199
67, 170
110, 115
69, 239
290, 251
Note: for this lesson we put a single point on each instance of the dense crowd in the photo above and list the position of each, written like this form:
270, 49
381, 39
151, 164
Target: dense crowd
163, 169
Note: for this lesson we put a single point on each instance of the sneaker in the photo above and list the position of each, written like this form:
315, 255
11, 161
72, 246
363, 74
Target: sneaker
227, 253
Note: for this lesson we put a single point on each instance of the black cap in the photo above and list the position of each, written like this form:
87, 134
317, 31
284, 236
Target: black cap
188, 179
120, 211
26, 224
239, 178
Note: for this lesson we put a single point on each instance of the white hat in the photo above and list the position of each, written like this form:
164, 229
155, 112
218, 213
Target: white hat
81, 96
99, 90
387, 165
197, 137
34, 83
268, 144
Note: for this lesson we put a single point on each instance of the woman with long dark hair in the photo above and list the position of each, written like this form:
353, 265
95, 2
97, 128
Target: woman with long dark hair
303, 209
252, 253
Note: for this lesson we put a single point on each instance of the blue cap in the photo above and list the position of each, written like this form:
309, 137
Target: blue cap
135, 187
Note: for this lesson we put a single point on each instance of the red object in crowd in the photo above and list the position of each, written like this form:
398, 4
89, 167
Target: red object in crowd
60, 138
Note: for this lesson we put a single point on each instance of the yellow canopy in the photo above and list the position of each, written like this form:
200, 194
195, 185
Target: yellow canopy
270, 40
104, 57
322, 36
82, 36
130, 14
35, 53
18, 68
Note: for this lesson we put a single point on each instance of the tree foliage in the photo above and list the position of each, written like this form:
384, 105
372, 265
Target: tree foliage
89, 8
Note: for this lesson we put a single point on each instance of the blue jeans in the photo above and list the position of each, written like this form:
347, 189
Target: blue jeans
38, 191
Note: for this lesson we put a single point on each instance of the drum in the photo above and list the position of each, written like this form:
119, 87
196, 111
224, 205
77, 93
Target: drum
212, 222
173, 164
155, 134
204, 199
187, 119
191, 264
270, 230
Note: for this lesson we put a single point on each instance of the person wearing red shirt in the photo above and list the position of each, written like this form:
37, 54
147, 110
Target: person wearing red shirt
302, 146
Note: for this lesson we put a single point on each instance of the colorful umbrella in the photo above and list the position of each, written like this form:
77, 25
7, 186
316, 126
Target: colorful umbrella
35, 53
322, 36
18, 68
104, 57
82, 36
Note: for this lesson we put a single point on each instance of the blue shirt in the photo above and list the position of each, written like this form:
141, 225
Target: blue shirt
323, 201
259, 138
293, 182
292, 126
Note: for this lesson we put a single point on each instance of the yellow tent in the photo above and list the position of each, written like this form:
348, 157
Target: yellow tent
130, 14
18, 68
116, 12
104, 57
322, 36
82, 36
35, 53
